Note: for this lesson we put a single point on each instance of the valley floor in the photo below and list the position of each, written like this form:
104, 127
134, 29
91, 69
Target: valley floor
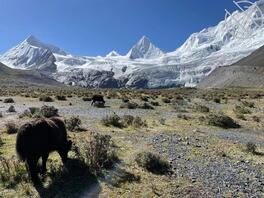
206, 160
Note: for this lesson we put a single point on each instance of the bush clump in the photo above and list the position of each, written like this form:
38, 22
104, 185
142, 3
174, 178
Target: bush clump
31, 112
125, 121
183, 116
202, 109
251, 147
48, 111
248, 104
241, 110
97, 151
129, 105
9, 100
217, 100
221, 120
129, 120
153, 163
146, 106
11, 128
112, 120
45, 99
61, 98
166, 100
256, 119
73, 123
154, 103
12, 172
144, 98
125, 100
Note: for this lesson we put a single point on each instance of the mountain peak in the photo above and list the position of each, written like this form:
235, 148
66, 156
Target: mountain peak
113, 54
144, 39
34, 41
144, 49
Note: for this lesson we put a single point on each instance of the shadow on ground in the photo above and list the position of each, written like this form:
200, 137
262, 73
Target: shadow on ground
77, 181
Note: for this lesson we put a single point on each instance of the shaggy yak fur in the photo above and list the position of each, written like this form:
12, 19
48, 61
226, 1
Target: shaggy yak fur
37, 139
97, 99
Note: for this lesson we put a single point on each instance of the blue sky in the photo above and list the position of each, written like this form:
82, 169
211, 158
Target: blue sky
95, 27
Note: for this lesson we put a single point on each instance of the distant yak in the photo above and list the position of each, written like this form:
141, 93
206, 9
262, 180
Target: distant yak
37, 139
97, 99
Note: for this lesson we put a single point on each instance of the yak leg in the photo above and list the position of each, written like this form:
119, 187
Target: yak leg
63, 156
44, 163
32, 166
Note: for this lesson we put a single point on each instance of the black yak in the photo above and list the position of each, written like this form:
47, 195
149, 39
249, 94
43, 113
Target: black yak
37, 139
98, 99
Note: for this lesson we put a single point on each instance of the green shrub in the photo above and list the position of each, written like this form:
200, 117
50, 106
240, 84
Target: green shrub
217, 100
222, 121
166, 100
129, 105
97, 151
153, 163
154, 103
11, 128
61, 98
251, 147
183, 116
144, 98
248, 104
129, 120
240, 116
45, 99
256, 119
112, 120
31, 112
47, 112
241, 110
162, 121
202, 109
73, 123
125, 100
12, 172
138, 122
146, 106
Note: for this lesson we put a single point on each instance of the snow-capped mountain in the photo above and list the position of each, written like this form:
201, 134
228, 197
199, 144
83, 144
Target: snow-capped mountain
146, 65
144, 49
32, 54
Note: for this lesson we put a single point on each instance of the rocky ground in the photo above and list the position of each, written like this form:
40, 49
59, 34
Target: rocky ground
206, 161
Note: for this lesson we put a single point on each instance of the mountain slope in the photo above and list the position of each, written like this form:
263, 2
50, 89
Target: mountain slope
248, 72
255, 59
16, 77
